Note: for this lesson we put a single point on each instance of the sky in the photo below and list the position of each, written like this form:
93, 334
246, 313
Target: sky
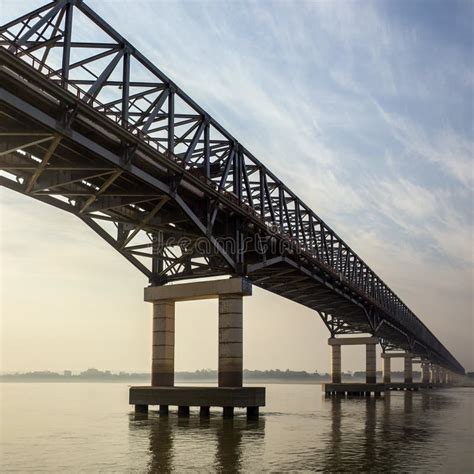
365, 109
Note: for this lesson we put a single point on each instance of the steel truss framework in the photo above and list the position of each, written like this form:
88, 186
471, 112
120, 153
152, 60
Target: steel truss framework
89, 125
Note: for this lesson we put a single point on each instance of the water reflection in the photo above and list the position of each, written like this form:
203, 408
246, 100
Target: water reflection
161, 446
393, 426
228, 455
343, 435
369, 433
196, 442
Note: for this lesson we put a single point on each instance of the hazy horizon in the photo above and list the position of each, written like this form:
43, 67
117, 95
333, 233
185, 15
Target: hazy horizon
109, 372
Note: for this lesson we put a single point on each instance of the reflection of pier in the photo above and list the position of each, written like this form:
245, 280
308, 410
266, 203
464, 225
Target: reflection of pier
393, 423
224, 439
161, 446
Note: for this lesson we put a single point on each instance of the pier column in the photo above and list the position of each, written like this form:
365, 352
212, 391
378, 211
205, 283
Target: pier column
387, 370
434, 374
230, 393
162, 370
443, 375
230, 341
408, 368
370, 364
336, 364
438, 374
425, 372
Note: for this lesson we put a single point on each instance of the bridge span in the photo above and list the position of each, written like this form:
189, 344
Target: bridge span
91, 126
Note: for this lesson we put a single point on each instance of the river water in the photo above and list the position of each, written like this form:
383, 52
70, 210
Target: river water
74, 427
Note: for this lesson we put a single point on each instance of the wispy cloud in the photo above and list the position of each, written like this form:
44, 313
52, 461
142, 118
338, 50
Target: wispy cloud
449, 150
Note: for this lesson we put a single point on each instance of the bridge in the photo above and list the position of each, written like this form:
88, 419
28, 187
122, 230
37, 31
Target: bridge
91, 126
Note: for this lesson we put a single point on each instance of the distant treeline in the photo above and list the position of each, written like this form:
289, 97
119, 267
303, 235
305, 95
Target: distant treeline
198, 375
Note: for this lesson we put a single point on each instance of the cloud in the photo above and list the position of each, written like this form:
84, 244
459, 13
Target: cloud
404, 197
452, 152
427, 219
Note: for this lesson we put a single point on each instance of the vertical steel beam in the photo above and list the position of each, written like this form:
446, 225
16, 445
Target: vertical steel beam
67, 44
171, 122
207, 151
125, 88
297, 221
281, 197
261, 192
237, 172
269, 197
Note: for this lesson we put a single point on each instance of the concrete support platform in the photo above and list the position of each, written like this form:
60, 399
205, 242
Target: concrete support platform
354, 389
366, 389
405, 386
204, 397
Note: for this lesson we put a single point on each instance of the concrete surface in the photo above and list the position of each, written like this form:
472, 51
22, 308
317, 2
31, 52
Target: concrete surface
198, 396
199, 290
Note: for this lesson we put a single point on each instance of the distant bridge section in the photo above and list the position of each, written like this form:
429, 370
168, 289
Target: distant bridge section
91, 126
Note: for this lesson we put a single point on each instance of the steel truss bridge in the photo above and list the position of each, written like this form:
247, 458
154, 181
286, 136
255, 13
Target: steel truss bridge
89, 125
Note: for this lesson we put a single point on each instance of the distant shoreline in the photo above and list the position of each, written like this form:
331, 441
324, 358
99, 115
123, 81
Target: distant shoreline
199, 376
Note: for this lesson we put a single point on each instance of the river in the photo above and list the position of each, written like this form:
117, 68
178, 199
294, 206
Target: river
74, 427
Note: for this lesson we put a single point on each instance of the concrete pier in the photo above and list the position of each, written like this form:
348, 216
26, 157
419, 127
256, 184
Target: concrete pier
443, 375
162, 368
370, 363
230, 341
336, 366
336, 362
425, 372
417, 360
387, 369
434, 374
408, 368
229, 394
357, 388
